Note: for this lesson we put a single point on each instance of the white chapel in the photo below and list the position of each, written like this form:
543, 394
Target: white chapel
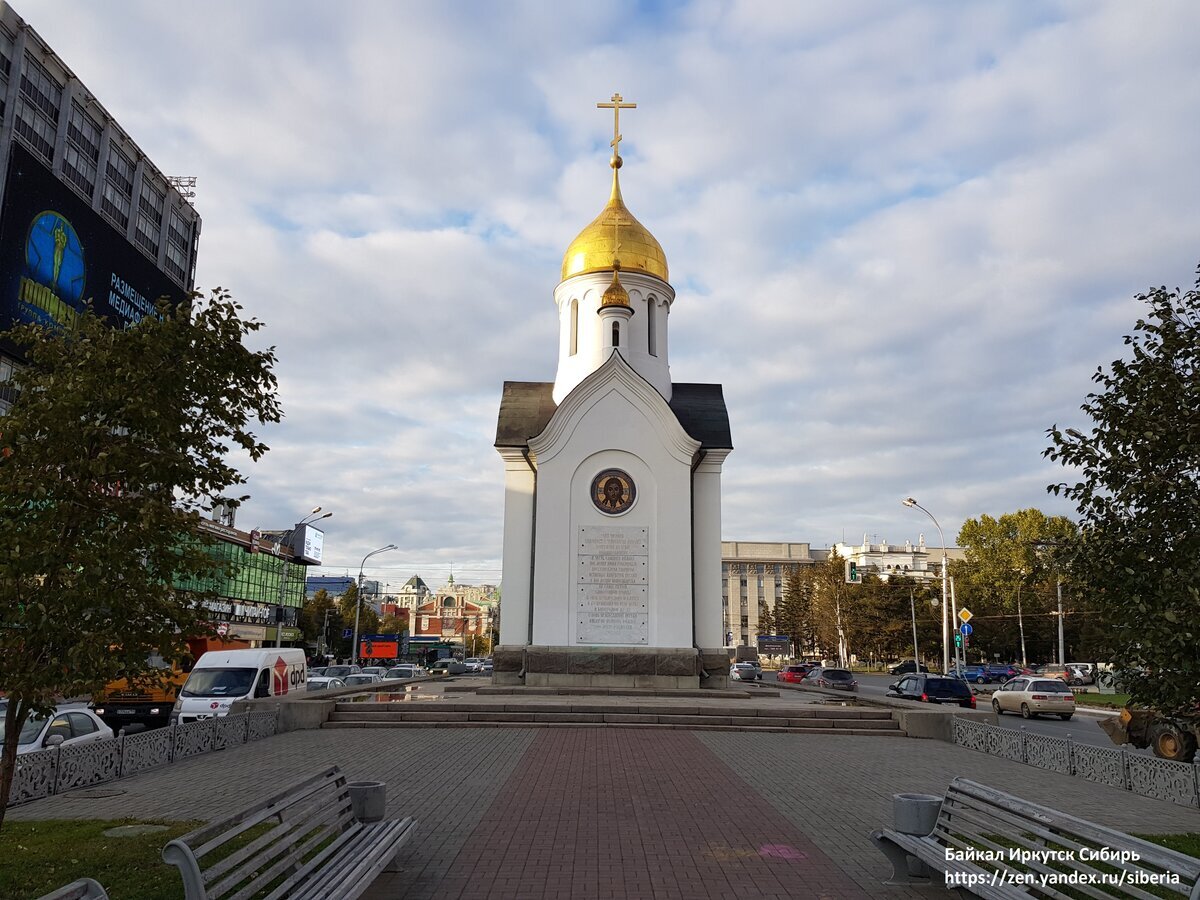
612, 490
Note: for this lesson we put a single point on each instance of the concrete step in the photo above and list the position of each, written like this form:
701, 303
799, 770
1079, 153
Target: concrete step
661, 726
807, 719
371, 710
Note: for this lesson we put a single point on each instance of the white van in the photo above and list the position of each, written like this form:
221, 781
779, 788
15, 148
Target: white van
222, 677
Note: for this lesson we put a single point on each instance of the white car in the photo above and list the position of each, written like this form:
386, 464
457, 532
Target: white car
374, 670
404, 671
324, 683
474, 664
66, 726
1030, 696
362, 678
743, 671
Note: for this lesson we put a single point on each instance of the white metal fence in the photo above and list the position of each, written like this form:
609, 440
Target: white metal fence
45, 772
1149, 776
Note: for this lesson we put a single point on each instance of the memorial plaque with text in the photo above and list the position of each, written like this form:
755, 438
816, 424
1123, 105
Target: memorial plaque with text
611, 597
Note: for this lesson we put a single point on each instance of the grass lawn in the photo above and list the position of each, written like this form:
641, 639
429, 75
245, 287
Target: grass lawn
37, 857
1113, 701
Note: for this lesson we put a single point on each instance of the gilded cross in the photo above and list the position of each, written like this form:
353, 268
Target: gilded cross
616, 105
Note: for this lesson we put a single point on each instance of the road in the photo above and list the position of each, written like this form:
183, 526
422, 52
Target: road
1082, 728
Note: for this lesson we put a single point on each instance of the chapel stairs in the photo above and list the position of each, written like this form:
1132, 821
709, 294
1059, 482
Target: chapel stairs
615, 712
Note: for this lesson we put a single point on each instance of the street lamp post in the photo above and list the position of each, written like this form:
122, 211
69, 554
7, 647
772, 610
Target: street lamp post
359, 599
909, 501
287, 560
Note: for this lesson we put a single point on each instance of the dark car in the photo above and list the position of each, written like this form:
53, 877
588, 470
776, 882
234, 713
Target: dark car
909, 665
977, 674
1001, 673
933, 689
838, 679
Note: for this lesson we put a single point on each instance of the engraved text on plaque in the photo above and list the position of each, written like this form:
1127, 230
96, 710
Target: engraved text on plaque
611, 600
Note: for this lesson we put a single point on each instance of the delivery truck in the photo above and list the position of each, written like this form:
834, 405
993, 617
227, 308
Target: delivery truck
221, 678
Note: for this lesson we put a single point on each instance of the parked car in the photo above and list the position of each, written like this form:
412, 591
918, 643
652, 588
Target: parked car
1081, 673
360, 678
66, 727
909, 665
838, 679
486, 668
324, 682
1030, 696
447, 667
341, 671
977, 674
404, 670
757, 667
316, 670
1062, 673
926, 688
793, 674
743, 671
1001, 672
474, 663
374, 670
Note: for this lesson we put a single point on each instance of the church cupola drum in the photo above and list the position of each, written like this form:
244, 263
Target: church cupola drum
612, 512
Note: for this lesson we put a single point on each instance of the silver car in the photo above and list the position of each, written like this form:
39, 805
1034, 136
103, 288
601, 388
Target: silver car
66, 726
743, 671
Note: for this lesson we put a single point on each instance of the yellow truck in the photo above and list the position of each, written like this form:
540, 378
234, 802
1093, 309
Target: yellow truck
121, 703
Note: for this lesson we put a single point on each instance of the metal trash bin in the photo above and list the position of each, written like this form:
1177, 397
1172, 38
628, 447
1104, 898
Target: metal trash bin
368, 800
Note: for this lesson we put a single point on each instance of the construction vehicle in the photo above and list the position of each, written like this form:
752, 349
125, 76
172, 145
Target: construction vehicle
149, 704
1168, 737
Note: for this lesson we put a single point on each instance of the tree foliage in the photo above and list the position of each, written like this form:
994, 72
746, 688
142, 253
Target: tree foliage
1138, 497
116, 441
1012, 564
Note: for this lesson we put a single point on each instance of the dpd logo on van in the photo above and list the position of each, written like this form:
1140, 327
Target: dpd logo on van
280, 677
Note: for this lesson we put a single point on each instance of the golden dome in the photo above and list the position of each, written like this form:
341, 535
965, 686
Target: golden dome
615, 294
596, 246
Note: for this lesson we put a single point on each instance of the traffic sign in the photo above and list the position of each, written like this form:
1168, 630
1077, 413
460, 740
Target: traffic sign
223, 629
964, 614
965, 629
346, 632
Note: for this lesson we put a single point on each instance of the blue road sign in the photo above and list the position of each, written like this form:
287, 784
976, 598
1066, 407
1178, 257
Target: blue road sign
965, 628
347, 632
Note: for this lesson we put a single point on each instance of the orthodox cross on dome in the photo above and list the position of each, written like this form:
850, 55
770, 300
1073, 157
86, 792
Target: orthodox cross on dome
616, 104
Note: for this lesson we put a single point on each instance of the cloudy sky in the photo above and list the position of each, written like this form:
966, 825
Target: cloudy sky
903, 236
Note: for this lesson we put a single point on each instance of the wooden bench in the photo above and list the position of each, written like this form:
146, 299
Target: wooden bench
301, 843
993, 844
83, 889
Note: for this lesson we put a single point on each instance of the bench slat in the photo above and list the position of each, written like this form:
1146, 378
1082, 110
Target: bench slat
994, 820
377, 845
279, 839
1059, 832
208, 838
292, 863
976, 818
1168, 859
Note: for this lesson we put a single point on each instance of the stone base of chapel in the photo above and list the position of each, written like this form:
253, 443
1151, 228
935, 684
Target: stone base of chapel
658, 668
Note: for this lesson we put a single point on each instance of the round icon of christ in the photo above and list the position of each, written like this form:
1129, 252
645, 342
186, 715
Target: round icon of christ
613, 492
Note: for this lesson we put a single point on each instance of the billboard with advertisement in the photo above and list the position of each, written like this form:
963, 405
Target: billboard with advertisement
57, 254
379, 646
308, 543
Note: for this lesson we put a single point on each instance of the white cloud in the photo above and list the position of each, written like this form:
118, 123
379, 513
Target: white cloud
903, 236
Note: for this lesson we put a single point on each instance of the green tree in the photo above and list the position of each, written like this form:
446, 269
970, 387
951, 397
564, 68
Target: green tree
368, 619
312, 614
794, 613
1008, 580
1138, 497
116, 441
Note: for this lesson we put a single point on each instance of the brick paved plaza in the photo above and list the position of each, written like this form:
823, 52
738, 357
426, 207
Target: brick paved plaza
614, 812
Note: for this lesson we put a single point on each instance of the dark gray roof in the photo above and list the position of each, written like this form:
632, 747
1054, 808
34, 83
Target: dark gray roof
526, 408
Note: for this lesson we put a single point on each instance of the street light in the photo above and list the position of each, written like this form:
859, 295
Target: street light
358, 600
287, 560
909, 501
